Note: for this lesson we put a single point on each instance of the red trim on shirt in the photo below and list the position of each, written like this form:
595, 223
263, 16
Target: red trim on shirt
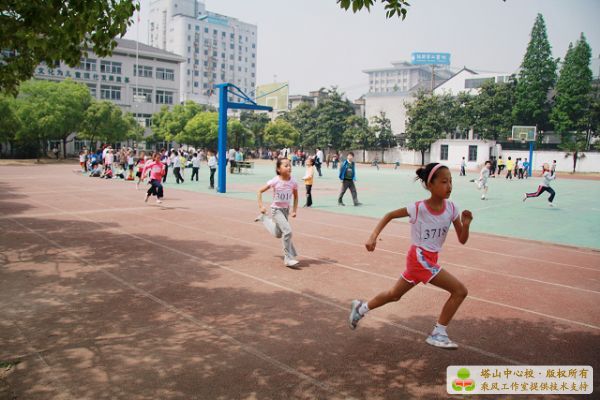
432, 212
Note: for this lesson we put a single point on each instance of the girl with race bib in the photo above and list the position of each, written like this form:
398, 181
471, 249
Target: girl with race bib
430, 222
284, 189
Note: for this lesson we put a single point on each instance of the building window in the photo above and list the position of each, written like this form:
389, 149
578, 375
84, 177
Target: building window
110, 92
444, 152
164, 97
145, 95
165, 74
87, 64
196, 73
93, 90
110, 67
142, 70
195, 84
144, 120
205, 30
472, 153
476, 83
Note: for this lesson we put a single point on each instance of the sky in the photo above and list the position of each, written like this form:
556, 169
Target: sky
314, 43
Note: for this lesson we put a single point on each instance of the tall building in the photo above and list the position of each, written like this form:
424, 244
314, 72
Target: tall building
138, 78
216, 48
404, 77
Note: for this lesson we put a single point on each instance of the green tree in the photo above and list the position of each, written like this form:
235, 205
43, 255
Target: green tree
492, 110
572, 110
256, 124
104, 121
9, 122
238, 135
425, 122
201, 131
464, 115
53, 31
392, 7
536, 79
359, 134
167, 124
331, 120
382, 127
280, 133
51, 111
303, 119
134, 131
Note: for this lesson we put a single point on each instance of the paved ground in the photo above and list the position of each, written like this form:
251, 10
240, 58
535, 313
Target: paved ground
104, 296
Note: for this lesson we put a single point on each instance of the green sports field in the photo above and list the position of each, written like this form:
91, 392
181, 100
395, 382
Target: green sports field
575, 221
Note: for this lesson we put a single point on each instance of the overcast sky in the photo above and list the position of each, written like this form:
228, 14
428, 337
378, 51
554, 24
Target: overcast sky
314, 43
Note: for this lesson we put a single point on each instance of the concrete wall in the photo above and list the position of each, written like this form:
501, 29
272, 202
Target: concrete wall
457, 149
390, 156
589, 163
393, 106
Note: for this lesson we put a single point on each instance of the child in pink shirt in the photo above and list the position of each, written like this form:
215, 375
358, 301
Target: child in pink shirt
157, 170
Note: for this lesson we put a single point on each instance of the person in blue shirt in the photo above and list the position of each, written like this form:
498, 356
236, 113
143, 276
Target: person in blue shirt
348, 176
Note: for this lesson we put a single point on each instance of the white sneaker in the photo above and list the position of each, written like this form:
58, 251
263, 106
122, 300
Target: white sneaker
259, 218
158, 201
551, 205
483, 197
524, 198
441, 341
146, 199
290, 262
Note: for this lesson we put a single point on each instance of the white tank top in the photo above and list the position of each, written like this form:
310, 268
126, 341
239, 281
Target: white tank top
429, 229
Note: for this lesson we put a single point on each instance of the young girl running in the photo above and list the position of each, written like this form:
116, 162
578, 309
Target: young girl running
157, 170
430, 221
547, 177
284, 188
308, 181
482, 182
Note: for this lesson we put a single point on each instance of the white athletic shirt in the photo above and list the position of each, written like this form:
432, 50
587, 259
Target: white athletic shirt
548, 177
429, 229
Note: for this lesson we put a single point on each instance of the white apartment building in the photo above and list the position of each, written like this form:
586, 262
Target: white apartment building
404, 77
215, 48
138, 78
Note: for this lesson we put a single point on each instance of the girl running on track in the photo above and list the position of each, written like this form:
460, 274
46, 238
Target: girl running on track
284, 188
482, 182
547, 177
157, 170
430, 222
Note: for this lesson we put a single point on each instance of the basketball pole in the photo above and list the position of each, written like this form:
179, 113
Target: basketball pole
531, 142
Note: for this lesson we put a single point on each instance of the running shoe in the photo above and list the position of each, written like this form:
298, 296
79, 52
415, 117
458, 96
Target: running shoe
524, 198
354, 314
158, 201
290, 262
259, 218
146, 199
441, 341
551, 205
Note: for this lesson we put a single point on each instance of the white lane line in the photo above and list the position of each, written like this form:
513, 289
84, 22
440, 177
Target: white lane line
223, 336
56, 213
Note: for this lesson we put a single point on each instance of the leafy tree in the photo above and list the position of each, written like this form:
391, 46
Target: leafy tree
280, 133
201, 131
303, 118
464, 115
51, 111
238, 135
492, 110
9, 122
134, 131
392, 7
572, 110
256, 124
425, 122
104, 121
537, 77
358, 133
331, 120
167, 124
382, 127
51, 31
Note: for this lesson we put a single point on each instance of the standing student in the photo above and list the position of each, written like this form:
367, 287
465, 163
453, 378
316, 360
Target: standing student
284, 189
195, 166
510, 165
212, 165
156, 169
176, 162
547, 177
164, 158
141, 161
463, 167
130, 164
308, 177
430, 222
319, 158
526, 169
82, 163
500, 165
520, 168
553, 168
348, 176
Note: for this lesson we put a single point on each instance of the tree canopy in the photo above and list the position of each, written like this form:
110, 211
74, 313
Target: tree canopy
32, 32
